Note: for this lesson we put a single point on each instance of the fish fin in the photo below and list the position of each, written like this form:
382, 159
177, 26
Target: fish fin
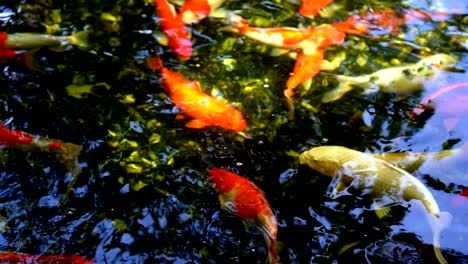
30, 61
161, 38
273, 251
306, 85
339, 188
382, 212
229, 29
348, 246
196, 123
219, 13
337, 93
177, 2
79, 39
275, 52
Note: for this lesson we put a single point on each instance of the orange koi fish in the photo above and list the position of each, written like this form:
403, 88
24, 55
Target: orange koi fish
460, 199
195, 10
67, 153
241, 197
173, 27
204, 109
310, 8
13, 257
310, 42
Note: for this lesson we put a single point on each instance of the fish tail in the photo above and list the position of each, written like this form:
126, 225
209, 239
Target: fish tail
339, 91
273, 248
79, 39
155, 63
437, 225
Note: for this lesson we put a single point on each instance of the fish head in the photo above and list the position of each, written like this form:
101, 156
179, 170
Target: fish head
223, 180
324, 159
441, 61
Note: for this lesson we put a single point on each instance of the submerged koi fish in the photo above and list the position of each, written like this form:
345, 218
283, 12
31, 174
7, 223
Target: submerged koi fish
384, 20
402, 79
14, 257
386, 183
66, 153
460, 199
310, 8
195, 10
204, 109
309, 42
173, 27
456, 105
242, 198
16, 45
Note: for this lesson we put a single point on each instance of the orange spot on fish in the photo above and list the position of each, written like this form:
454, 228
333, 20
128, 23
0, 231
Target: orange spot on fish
310, 8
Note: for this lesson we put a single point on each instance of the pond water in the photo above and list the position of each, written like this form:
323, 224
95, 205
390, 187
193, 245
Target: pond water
143, 194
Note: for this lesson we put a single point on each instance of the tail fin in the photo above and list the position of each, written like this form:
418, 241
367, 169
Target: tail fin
437, 225
155, 63
338, 92
79, 39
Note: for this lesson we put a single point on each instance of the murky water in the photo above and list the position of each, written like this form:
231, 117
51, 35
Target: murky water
143, 194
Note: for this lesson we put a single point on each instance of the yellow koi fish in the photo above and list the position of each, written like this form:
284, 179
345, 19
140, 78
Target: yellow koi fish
383, 181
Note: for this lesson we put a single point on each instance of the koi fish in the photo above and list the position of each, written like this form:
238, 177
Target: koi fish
386, 183
13, 257
173, 27
310, 8
310, 42
460, 199
66, 153
428, 104
16, 45
195, 10
402, 79
244, 199
204, 109
389, 21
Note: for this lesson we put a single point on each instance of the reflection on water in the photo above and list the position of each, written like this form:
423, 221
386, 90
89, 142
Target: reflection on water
143, 193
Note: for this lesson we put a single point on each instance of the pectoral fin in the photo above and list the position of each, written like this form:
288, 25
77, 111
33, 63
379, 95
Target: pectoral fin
161, 38
337, 93
196, 123
381, 210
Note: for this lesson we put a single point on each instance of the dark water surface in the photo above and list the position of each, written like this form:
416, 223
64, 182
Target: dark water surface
143, 194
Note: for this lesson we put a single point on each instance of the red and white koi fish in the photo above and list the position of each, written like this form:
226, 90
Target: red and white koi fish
66, 153
242, 198
310, 8
173, 27
14, 257
204, 109
195, 10
310, 42
460, 199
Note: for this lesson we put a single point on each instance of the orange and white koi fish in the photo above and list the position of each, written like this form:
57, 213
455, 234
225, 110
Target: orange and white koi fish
310, 8
195, 10
204, 109
309, 42
66, 153
242, 198
173, 27
14, 257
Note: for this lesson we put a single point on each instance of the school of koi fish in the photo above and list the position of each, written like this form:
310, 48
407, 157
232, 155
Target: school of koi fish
387, 178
